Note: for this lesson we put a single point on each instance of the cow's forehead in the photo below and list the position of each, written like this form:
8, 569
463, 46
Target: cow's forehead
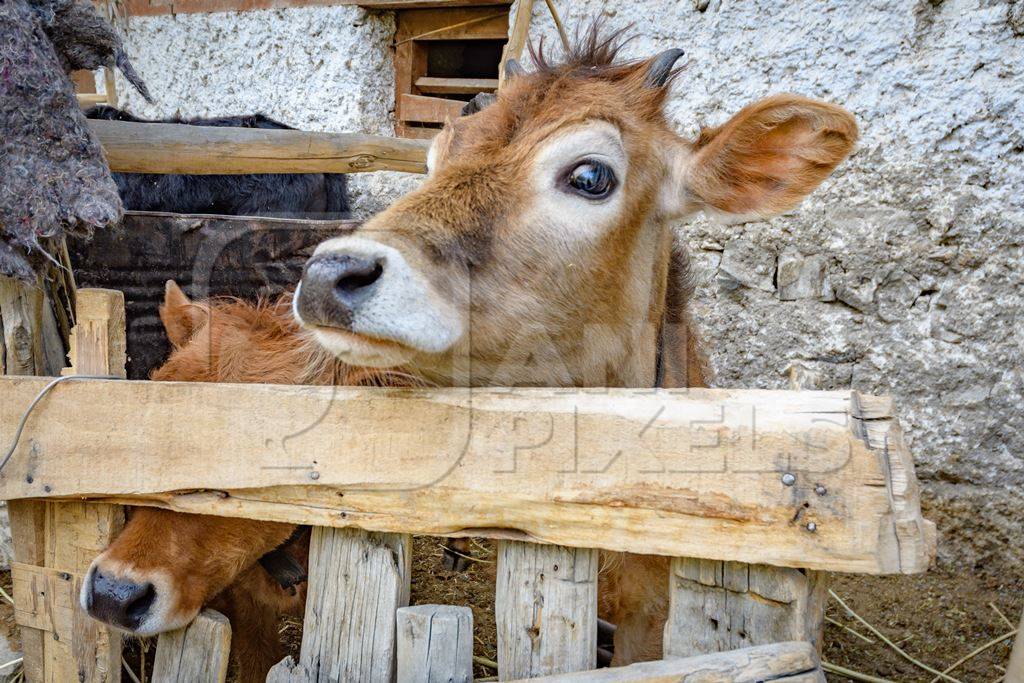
539, 104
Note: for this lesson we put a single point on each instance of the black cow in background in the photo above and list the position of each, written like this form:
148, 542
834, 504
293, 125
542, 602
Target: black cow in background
285, 195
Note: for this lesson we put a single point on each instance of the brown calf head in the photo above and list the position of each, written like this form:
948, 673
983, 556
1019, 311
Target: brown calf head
538, 249
164, 566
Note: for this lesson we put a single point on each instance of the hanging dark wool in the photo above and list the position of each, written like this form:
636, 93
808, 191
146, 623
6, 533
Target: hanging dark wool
53, 179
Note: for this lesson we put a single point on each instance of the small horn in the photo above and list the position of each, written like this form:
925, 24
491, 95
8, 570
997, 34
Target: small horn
513, 69
661, 66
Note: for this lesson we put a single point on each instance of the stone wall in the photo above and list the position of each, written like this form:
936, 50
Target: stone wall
904, 273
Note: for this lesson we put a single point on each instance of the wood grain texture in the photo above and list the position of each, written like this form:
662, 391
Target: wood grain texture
435, 644
791, 662
60, 539
178, 148
357, 581
410, 4
518, 34
452, 23
545, 609
720, 606
1015, 667
423, 109
455, 86
695, 473
197, 653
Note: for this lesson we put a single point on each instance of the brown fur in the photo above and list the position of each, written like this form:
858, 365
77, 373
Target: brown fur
602, 316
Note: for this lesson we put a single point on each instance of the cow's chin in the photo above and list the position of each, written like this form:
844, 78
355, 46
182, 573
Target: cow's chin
362, 351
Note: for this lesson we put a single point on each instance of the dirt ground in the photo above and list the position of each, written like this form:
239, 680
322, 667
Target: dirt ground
937, 618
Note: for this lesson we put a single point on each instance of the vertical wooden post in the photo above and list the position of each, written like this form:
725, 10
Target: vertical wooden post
56, 542
1015, 669
546, 609
197, 653
357, 581
717, 606
435, 644
518, 33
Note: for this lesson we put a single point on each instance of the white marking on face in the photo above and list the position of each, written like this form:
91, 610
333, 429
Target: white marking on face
566, 216
402, 315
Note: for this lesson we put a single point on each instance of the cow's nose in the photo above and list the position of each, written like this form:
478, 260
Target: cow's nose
333, 285
119, 602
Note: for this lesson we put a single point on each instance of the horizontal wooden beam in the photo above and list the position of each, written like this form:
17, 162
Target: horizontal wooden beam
419, 4
423, 109
178, 148
802, 479
789, 662
455, 86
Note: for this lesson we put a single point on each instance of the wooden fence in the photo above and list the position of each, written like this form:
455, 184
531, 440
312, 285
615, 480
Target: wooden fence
757, 495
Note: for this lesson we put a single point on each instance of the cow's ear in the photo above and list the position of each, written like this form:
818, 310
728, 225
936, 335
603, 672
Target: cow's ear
764, 160
181, 317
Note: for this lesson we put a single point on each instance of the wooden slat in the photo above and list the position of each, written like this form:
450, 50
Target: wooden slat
179, 148
357, 580
1015, 667
455, 86
718, 606
197, 653
418, 4
89, 99
423, 109
546, 610
697, 473
787, 662
518, 34
466, 23
435, 644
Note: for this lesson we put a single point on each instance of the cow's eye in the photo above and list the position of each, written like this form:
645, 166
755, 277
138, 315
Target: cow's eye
591, 179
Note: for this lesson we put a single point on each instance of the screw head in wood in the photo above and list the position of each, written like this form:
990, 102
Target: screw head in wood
314, 475
788, 478
812, 527
820, 489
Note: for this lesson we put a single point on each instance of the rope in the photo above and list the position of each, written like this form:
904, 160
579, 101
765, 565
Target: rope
31, 406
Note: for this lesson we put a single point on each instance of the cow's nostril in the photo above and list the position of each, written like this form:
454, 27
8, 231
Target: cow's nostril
359, 274
334, 285
119, 602
138, 608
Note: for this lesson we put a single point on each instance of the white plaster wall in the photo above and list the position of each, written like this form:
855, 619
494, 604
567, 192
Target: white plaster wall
921, 232
317, 68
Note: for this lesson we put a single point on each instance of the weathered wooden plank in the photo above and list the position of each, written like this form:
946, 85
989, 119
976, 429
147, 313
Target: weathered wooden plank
719, 606
699, 473
455, 86
545, 609
55, 542
28, 539
435, 644
197, 653
413, 4
792, 662
1015, 667
77, 532
357, 580
179, 148
518, 34
423, 109
464, 23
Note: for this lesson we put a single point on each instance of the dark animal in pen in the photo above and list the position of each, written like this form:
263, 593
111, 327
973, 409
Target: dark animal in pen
285, 195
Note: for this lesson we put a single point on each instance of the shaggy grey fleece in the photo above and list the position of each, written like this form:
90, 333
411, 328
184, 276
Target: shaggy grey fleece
53, 179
